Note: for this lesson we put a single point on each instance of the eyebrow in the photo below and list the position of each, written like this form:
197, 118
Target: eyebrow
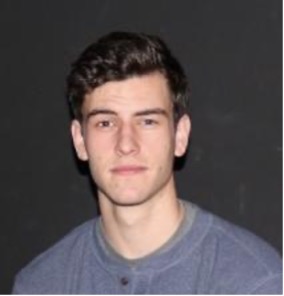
151, 111
158, 111
95, 112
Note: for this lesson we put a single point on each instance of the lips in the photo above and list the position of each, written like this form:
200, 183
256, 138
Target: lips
128, 170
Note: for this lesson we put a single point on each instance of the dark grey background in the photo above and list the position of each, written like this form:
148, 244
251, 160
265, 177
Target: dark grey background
232, 53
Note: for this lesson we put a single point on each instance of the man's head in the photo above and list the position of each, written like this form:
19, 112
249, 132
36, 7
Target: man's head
121, 55
129, 101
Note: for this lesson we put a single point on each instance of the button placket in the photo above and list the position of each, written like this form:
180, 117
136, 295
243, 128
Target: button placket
124, 281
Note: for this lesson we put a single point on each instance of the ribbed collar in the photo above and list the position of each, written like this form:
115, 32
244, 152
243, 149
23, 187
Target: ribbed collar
189, 234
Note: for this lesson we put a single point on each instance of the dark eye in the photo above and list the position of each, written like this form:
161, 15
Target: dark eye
104, 124
149, 121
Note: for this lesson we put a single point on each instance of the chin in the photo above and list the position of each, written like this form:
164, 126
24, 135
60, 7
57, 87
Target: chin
129, 200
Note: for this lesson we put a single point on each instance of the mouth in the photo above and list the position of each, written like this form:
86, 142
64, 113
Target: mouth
126, 170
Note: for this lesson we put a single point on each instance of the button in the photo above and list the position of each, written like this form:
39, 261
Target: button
124, 281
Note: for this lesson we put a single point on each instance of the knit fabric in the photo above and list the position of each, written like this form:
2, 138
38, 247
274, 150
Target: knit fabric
207, 255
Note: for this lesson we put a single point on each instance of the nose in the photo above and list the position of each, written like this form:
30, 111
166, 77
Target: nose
127, 140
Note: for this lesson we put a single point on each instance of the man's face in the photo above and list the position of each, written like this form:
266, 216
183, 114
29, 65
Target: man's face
128, 137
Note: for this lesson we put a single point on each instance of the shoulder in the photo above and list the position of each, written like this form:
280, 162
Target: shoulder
240, 259
54, 264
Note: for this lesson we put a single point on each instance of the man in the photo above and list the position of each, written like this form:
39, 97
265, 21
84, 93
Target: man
129, 99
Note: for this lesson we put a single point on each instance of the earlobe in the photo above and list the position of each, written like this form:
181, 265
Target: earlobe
182, 135
78, 140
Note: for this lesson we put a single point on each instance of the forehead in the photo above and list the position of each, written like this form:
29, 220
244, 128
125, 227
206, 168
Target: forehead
131, 95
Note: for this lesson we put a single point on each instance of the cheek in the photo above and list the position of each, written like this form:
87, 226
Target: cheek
98, 165
97, 146
161, 149
98, 154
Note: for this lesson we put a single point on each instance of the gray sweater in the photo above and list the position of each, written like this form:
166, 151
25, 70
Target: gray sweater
207, 255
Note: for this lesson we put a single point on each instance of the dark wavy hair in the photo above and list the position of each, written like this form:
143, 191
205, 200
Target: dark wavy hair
121, 55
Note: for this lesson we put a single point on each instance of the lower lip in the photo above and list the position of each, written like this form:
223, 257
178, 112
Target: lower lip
128, 171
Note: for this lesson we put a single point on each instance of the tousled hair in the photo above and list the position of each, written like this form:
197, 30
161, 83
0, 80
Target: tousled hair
121, 55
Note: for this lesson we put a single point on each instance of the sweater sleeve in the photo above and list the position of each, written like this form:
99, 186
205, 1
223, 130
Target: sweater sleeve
269, 286
18, 288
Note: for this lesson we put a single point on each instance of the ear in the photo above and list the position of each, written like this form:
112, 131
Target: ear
78, 140
183, 129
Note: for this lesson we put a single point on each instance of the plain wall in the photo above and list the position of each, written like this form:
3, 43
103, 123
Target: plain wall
232, 54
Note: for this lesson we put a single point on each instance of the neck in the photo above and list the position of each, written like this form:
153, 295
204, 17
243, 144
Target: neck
136, 231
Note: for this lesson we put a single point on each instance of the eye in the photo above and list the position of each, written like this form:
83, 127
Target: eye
104, 124
149, 122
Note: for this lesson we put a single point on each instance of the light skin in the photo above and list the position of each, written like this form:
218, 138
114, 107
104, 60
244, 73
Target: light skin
129, 138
